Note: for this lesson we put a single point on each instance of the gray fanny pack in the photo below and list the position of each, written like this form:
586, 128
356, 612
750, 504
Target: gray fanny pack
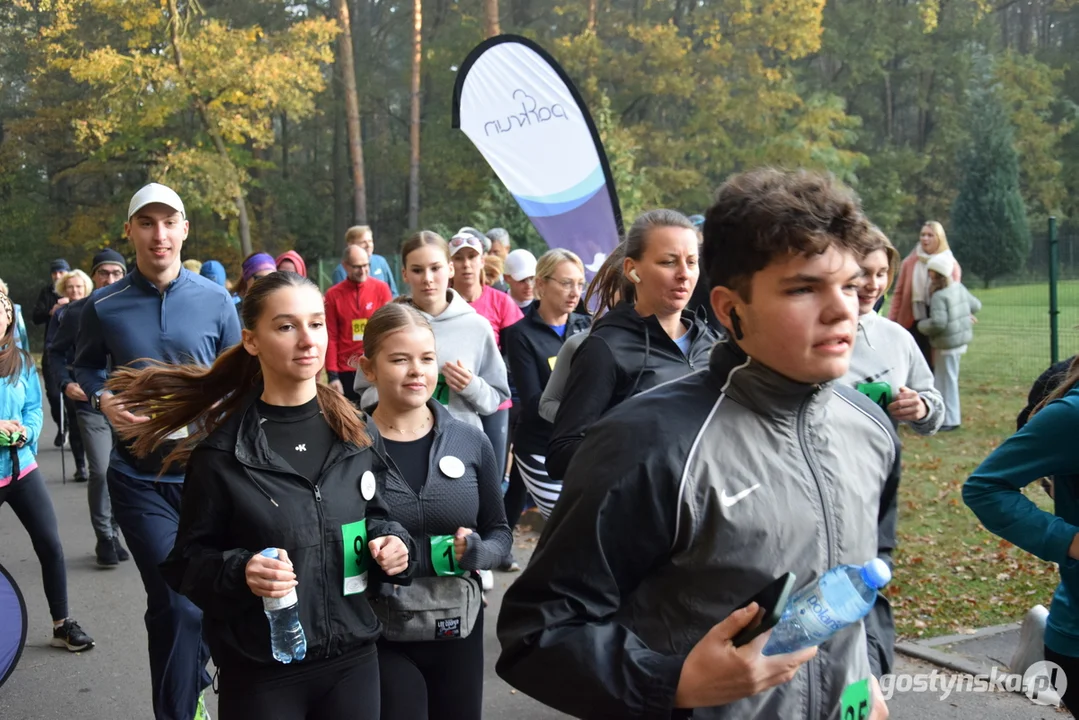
431, 608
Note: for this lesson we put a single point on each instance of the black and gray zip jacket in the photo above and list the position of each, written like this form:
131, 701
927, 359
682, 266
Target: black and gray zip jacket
625, 354
680, 505
241, 497
445, 503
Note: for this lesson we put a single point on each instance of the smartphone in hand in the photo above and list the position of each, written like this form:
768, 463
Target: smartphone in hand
772, 600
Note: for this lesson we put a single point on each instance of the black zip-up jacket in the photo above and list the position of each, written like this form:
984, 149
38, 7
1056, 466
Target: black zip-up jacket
241, 497
445, 503
45, 300
61, 352
624, 355
532, 347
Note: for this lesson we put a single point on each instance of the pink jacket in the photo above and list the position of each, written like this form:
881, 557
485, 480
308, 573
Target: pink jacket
902, 308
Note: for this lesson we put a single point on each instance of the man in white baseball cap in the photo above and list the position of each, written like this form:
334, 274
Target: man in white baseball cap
520, 275
156, 193
158, 311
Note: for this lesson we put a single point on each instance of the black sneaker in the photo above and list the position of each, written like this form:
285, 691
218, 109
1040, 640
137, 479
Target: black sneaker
70, 636
106, 553
121, 553
81, 476
58, 441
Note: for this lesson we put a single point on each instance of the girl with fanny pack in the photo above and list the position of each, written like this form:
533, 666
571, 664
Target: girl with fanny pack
442, 482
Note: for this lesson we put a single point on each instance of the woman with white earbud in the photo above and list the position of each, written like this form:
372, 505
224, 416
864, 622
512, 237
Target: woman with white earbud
645, 340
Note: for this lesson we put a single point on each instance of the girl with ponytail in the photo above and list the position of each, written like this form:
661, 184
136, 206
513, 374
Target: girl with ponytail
274, 460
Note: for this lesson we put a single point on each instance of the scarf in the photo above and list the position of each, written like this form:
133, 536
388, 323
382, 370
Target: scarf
919, 283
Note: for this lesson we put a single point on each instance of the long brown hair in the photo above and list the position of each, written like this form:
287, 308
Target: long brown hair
609, 285
202, 399
12, 358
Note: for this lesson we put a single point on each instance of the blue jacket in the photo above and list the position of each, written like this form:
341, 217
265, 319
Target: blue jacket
1045, 446
21, 400
379, 269
193, 321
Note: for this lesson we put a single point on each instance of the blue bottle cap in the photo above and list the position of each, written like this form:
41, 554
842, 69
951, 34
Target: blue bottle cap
270, 553
876, 573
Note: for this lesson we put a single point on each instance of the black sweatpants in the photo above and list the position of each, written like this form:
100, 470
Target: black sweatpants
344, 688
436, 680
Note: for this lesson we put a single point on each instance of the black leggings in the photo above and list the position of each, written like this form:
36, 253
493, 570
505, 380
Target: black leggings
345, 687
437, 680
33, 506
1070, 666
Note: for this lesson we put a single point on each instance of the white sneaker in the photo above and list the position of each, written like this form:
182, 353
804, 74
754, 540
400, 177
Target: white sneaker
1031, 647
487, 580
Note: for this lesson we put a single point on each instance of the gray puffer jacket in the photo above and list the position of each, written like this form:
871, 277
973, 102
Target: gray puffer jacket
950, 325
680, 504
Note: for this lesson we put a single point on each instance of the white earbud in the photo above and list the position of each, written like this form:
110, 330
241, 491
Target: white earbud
634, 276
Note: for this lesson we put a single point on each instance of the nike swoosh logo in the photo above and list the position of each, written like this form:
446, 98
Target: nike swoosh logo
730, 500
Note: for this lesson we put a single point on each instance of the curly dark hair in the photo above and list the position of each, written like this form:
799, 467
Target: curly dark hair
767, 213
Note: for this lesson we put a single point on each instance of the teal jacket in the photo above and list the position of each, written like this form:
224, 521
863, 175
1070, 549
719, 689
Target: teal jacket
1044, 447
21, 400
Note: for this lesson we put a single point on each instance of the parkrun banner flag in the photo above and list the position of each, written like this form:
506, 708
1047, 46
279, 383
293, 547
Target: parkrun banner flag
518, 107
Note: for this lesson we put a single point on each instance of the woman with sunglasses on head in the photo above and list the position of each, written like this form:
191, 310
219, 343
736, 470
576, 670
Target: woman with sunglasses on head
645, 340
466, 255
280, 502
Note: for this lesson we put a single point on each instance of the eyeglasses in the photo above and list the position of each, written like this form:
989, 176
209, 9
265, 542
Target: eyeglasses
102, 272
569, 284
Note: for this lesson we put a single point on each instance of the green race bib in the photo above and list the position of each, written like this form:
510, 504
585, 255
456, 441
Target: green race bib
854, 703
354, 536
442, 390
443, 558
879, 392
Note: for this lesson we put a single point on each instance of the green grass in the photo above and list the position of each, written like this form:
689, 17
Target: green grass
1011, 339
951, 574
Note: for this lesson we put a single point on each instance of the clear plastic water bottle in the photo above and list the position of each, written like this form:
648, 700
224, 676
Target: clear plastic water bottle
286, 634
841, 597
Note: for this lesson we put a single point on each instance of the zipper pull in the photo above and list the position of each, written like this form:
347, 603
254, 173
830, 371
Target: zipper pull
318, 494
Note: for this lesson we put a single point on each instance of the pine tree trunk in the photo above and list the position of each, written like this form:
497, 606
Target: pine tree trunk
490, 14
352, 111
592, 15
414, 121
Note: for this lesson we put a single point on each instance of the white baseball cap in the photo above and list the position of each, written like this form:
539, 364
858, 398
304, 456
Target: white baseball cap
155, 193
520, 264
465, 239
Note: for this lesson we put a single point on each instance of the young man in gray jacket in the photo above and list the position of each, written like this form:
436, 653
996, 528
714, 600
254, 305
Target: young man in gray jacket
686, 500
